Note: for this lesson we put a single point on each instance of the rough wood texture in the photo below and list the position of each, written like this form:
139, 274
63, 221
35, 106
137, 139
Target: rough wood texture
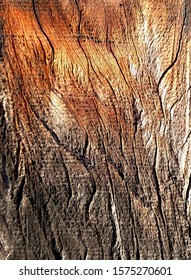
95, 129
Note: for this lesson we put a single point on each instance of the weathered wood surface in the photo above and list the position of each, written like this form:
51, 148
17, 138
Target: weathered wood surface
95, 129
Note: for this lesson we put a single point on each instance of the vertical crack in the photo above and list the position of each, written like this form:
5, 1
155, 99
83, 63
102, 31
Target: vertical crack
159, 237
157, 185
42, 30
188, 194
68, 181
57, 253
4, 173
16, 169
177, 53
19, 195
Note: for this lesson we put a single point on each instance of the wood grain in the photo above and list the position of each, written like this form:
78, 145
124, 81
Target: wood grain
95, 156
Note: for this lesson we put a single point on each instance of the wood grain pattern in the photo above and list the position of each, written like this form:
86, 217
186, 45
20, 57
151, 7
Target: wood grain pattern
95, 158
